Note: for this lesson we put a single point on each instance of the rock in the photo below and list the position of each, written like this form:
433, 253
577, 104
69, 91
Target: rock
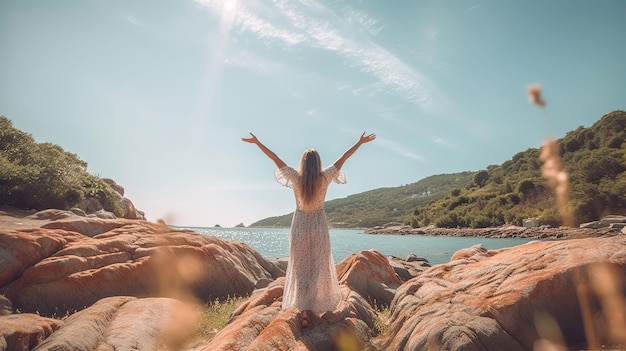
56, 271
260, 324
495, 300
606, 222
6, 307
369, 274
613, 219
594, 225
406, 269
25, 331
623, 230
125, 323
51, 214
477, 251
77, 211
95, 209
88, 226
103, 214
118, 188
90, 205
281, 263
413, 257
21, 250
130, 212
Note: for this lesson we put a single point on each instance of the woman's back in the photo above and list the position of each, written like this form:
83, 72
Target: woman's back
288, 176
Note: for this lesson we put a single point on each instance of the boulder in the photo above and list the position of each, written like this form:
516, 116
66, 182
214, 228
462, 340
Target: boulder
77, 211
23, 332
617, 226
594, 225
504, 299
51, 214
59, 271
103, 214
369, 274
90, 205
130, 212
614, 219
6, 307
125, 323
408, 268
606, 222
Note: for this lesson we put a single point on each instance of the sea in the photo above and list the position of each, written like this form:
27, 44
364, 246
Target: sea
273, 243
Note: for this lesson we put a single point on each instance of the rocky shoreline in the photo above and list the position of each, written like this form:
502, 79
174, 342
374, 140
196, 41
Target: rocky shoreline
499, 232
607, 226
132, 284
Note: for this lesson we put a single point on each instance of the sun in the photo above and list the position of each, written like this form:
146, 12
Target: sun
229, 6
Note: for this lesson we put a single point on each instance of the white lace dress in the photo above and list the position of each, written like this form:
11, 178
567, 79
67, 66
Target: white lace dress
311, 279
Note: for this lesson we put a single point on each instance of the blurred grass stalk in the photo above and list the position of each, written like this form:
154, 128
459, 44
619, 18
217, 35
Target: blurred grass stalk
599, 285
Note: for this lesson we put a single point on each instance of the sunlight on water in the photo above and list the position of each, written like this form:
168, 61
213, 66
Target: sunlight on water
274, 243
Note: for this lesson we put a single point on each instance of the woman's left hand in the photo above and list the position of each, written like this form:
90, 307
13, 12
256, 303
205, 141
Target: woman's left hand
251, 140
366, 138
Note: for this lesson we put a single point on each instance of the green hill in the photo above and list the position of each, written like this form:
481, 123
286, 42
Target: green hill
43, 175
380, 206
594, 158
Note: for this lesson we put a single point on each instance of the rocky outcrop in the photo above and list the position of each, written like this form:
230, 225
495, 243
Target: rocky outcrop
511, 299
72, 264
138, 285
92, 207
125, 322
260, 324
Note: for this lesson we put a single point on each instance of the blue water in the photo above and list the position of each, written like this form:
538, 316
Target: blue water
274, 243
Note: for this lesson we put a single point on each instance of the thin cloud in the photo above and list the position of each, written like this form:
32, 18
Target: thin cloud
398, 149
345, 31
134, 20
253, 62
442, 141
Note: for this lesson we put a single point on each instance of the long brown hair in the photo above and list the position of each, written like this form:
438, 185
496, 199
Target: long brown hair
311, 173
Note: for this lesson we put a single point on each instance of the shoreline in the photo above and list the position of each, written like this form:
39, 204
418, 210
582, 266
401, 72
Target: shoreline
13, 218
560, 233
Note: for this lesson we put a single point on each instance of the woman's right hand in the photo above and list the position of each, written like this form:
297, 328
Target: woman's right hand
252, 140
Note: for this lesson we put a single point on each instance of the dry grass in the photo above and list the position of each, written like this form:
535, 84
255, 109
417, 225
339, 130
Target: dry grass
381, 323
214, 316
599, 287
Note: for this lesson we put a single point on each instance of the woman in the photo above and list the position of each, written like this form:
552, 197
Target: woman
311, 279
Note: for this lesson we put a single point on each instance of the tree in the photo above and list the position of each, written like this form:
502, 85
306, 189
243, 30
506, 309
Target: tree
481, 177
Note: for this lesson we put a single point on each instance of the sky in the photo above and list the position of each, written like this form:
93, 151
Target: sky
158, 94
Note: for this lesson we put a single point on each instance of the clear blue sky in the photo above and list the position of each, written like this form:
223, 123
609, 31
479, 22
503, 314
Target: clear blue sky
157, 94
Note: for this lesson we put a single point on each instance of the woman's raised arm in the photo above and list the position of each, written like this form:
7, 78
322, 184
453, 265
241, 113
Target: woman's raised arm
253, 140
362, 140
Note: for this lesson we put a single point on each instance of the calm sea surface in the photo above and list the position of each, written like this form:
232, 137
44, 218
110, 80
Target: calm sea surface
274, 243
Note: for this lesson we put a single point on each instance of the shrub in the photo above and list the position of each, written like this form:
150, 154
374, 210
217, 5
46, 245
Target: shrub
43, 175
